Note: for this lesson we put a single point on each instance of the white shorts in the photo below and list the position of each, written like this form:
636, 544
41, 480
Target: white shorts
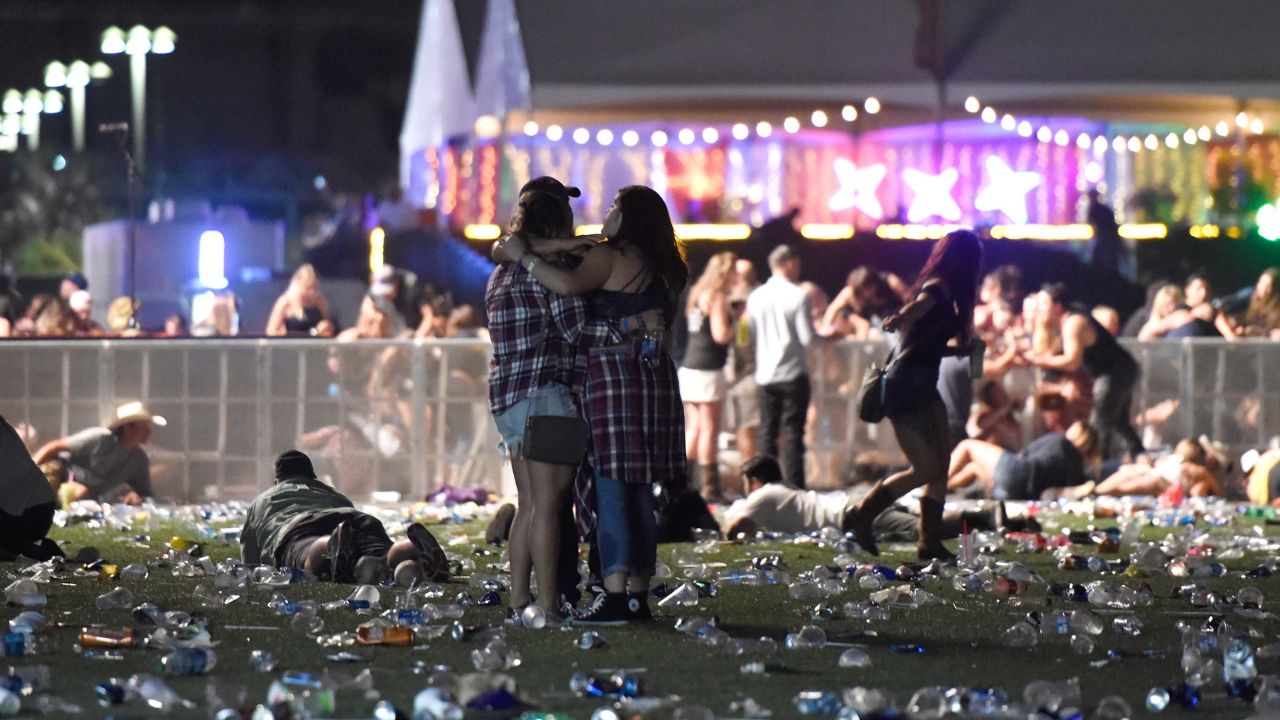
701, 386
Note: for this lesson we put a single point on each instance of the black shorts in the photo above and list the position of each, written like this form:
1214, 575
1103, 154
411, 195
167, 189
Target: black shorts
371, 537
20, 531
910, 389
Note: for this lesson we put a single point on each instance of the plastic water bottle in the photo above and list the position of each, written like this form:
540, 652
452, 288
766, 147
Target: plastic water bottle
121, 598
436, 704
1238, 662
189, 661
262, 661
156, 693
816, 702
27, 621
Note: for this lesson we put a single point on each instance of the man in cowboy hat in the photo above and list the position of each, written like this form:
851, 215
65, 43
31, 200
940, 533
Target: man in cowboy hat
106, 463
300, 522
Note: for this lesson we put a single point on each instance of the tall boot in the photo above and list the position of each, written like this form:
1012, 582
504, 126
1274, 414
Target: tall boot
859, 520
708, 479
929, 546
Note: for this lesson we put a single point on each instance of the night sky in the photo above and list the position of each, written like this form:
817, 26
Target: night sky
315, 85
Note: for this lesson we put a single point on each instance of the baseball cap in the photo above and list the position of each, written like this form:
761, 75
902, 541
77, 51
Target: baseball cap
548, 184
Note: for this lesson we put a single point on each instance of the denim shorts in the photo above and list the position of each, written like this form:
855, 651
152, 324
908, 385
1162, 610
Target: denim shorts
554, 399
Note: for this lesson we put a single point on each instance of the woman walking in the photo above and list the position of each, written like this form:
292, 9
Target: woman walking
702, 372
632, 397
940, 312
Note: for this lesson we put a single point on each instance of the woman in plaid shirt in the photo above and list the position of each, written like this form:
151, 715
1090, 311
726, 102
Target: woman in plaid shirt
537, 369
632, 398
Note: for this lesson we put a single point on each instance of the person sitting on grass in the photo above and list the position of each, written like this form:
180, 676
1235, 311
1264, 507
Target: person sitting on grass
772, 505
27, 501
300, 522
107, 464
1053, 460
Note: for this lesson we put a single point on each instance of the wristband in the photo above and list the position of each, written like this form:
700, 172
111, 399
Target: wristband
532, 263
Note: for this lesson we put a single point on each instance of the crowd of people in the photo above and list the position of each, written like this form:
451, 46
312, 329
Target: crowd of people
991, 391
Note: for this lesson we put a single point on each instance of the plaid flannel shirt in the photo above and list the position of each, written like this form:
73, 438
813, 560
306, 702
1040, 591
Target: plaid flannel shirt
538, 337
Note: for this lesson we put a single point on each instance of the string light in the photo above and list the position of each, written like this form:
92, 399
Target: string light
1083, 142
818, 119
630, 138
658, 138
1062, 138
1221, 128
1044, 134
531, 128
1008, 122
872, 106
604, 136
710, 135
764, 129
1204, 133
685, 136
554, 133
972, 104
1171, 141
741, 131
1024, 129
1134, 144
988, 115
791, 125
1151, 142
849, 113
1255, 126
1189, 137
581, 136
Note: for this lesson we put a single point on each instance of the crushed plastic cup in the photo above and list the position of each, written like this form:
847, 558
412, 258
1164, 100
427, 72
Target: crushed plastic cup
262, 661
1130, 625
120, 598
1020, 635
1085, 622
686, 594
809, 637
24, 592
854, 658
1081, 644
1049, 696
533, 617
134, 572
928, 703
1113, 707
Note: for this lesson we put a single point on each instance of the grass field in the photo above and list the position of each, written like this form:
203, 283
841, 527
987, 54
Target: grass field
962, 635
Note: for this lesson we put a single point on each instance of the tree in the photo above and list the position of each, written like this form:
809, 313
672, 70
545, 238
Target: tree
46, 201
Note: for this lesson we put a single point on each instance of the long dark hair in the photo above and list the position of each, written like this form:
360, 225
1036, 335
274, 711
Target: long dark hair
542, 214
955, 261
646, 225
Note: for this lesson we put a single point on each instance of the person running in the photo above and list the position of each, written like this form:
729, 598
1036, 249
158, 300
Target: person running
1053, 460
300, 522
941, 312
1085, 343
632, 396
702, 376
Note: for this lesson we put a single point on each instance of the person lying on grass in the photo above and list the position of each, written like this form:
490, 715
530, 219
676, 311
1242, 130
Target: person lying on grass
772, 505
1184, 473
302, 523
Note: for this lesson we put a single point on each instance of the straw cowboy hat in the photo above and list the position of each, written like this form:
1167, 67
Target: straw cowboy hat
135, 412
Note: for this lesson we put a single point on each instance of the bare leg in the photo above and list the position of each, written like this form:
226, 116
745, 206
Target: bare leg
691, 432
518, 541
552, 486
1132, 480
708, 431
979, 456
747, 445
923, 438
616, 583
316, 563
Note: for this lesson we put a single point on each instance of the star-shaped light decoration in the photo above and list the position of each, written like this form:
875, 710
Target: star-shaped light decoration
858, 188
932, 195
1269, 221
1006, 190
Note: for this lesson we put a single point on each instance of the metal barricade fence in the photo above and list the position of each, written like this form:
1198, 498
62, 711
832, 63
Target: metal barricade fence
412, 415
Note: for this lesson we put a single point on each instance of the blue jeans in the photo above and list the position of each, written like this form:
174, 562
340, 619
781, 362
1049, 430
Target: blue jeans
625, 528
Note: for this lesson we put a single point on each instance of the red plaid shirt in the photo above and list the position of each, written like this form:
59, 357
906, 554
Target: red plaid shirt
538, 337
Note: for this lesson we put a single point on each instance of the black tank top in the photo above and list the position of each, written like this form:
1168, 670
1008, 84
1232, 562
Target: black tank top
925, 342
701, 351
1104, 356
615, 304
311, 317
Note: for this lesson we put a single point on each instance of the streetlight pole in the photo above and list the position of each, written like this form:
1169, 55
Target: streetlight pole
75, 77
137, 44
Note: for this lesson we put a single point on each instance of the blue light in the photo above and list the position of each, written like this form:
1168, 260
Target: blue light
212, 262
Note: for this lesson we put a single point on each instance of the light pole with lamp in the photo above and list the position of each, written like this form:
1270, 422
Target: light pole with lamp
137, 43
75, 77
11, 125
22, 114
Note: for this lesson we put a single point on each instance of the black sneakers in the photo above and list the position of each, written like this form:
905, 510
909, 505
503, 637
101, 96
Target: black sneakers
615, 609
429, 553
